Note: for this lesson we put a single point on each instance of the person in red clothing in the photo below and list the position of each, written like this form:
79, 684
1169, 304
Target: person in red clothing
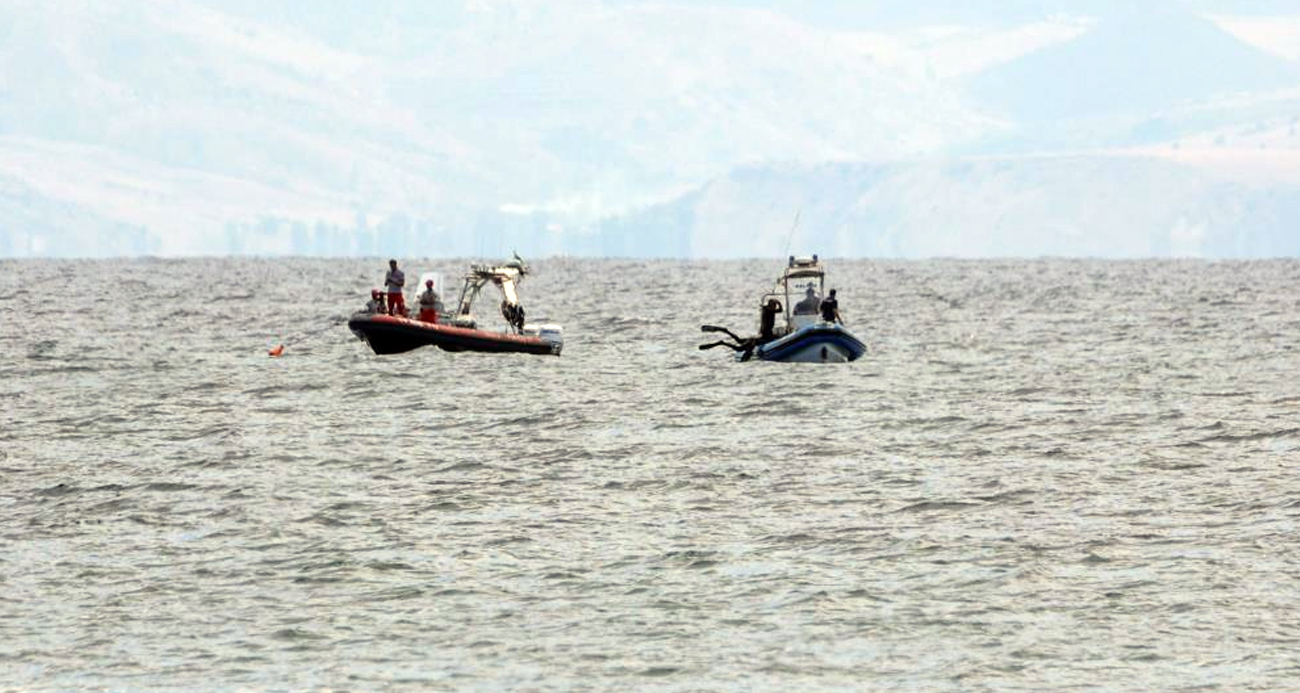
393, 283
429, 303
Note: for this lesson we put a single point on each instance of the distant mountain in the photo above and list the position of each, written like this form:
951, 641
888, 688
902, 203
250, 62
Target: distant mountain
1094, 206
569, 108
36, 225
1136, 61
393, 126
885, 15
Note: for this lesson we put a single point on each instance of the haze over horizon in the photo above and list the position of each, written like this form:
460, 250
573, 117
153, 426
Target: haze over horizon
644, 128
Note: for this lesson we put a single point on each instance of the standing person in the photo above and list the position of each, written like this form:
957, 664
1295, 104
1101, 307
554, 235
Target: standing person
767, 320
429, 303
831, 308
394, 280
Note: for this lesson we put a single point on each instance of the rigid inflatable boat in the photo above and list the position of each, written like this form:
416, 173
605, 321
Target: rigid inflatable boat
805, 335
459, 331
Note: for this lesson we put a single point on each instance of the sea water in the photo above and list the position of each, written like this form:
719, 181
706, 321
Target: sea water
1045, 475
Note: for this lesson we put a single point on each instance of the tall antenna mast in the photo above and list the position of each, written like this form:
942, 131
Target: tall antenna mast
790, 238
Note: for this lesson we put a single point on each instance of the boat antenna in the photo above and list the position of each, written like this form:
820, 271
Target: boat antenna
790, 238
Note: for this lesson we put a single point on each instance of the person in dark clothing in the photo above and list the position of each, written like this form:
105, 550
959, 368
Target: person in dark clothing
831, 308
767, 320
808, 306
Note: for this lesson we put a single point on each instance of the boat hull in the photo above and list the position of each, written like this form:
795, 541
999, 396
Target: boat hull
823, 342
389, 334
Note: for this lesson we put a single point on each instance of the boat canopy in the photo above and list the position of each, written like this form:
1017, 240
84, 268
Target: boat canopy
801, 276
801, 267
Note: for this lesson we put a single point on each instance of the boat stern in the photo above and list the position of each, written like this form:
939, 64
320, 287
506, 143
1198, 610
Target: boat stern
551, 334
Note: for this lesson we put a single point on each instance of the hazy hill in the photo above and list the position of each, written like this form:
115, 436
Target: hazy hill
572, 108
1095, 206
38, 225
879, 15
1137, 60
269, 126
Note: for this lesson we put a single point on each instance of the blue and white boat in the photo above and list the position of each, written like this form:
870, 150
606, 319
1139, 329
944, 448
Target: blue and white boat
821, 342
807, 336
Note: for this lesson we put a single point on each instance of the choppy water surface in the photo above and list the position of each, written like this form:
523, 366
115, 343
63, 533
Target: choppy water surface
1046, 475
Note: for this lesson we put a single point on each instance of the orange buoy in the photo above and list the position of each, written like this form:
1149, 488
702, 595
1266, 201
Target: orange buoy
279, 349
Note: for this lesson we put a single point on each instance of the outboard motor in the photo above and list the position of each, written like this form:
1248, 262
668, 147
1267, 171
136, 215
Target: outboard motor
552, 334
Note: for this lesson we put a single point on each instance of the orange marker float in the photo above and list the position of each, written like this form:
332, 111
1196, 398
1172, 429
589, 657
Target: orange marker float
278, 350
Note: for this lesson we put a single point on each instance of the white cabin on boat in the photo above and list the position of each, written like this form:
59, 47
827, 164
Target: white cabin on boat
800, 289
